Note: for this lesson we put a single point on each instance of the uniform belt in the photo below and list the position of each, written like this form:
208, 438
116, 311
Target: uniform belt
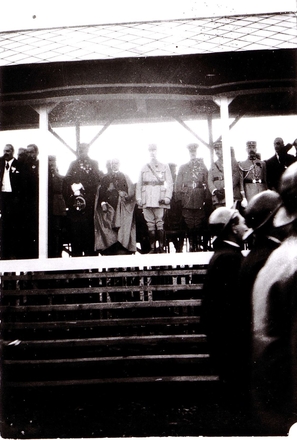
218, 178
153, 183
193, 185
253, 181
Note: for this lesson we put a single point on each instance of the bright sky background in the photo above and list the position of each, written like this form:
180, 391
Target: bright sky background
129, 143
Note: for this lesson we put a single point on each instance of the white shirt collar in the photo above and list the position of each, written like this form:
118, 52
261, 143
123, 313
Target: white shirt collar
232, 243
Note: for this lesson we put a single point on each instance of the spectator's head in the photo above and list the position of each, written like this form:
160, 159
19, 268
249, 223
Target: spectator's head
288, 191
279, 146
115, 165
52, 162
108, 166
152, 148
8, 152
22, 154
32, 152
83, 150
260, 212
218, 149
227, 224
251, 148
192, 150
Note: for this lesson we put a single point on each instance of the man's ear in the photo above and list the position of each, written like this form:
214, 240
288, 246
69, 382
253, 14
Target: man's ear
234, 229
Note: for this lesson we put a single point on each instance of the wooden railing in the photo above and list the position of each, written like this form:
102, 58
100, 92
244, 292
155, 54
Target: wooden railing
87, 326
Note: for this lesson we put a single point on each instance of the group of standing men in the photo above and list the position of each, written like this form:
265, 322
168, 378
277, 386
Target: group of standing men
19, 203
250, 176
249, 307
99, 213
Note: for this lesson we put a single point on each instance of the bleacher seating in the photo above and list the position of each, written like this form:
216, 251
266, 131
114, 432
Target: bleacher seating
73, 327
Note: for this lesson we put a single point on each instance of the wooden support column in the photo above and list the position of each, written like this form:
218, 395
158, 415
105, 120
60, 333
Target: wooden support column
77, 135
210, 137
43, 182
223, 102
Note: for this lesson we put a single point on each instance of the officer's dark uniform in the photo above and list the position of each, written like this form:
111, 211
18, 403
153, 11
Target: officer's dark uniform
192, 191
81, 216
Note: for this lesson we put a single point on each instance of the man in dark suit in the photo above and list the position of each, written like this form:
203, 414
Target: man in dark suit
263, 238
278, 163
30, 203
220, 305
10, 176
274, 299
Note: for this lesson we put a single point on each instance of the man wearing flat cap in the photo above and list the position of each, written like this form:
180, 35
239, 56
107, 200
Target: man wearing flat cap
252, 173
192, 190
220, 300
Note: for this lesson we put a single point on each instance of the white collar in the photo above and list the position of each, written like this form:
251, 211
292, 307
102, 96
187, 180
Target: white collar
232, 243
276, 240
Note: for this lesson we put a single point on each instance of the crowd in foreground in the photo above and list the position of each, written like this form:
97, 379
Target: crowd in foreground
249, 309
107, 214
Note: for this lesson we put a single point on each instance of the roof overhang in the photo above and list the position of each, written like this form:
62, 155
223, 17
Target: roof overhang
148, 89
197, 68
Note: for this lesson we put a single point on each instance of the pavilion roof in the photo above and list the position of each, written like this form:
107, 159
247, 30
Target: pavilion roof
149, 39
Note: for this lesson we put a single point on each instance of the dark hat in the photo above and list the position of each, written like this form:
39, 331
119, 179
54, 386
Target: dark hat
217, 144
254, 143
220, 218
261, 208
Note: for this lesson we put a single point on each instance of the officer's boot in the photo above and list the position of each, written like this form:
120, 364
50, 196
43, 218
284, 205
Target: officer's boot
191, 240
152, 236
206, 242
160, 238
197, 241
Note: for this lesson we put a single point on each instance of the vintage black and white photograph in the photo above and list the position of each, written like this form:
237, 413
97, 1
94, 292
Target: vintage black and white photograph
148, 219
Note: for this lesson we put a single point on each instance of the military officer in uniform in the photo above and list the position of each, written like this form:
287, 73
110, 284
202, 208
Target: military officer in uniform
216, 182
153, 194
192, 190
81, 183
252, 174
